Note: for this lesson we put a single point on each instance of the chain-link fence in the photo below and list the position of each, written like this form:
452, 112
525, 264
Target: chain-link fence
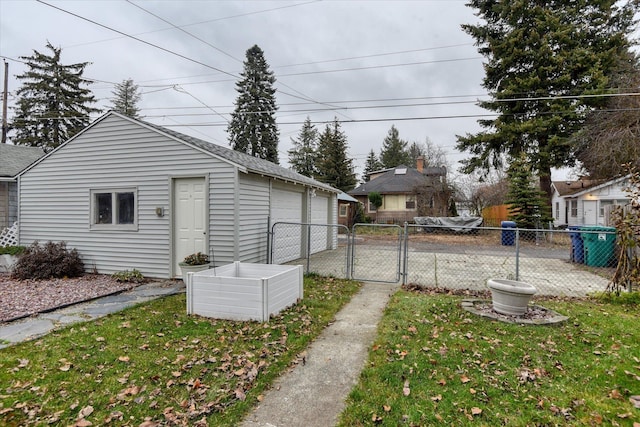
321, 248
573, 262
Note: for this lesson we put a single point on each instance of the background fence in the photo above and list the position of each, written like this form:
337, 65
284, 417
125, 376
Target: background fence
572, 262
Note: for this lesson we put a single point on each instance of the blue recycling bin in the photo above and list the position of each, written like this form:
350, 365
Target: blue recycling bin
508, 233
577, 244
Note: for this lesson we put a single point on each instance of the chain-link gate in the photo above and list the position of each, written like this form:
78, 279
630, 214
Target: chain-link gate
376, 252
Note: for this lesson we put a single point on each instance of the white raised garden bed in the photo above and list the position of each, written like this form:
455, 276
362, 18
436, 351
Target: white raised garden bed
244, 291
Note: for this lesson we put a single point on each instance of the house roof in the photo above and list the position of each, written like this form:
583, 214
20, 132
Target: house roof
577, 188
398, 180
242, 160
344, 197
15, 158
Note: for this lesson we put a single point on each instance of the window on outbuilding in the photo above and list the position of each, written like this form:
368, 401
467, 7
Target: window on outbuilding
114, 209
574, 208
343, 210
410, 203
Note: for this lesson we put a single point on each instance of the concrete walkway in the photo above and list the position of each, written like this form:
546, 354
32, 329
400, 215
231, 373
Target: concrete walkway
41, 324
313, 393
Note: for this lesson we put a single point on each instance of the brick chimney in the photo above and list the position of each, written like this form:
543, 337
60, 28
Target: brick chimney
420, 164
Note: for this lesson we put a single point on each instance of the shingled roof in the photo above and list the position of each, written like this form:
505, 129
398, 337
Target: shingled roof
398, 180
567, 188
252, 164
15, 158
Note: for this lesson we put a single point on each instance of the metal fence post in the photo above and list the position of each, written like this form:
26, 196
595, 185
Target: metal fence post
405, 263
308, 246
517, 254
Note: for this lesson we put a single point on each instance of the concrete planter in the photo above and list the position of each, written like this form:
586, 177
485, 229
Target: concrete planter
187, 268
244, 291
7, 262
510, 296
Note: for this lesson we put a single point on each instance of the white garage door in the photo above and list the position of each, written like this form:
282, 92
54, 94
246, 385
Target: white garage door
319, 215
286, 206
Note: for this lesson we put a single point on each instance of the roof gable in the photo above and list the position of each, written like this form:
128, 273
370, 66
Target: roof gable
15, 158
578, 188
242, 160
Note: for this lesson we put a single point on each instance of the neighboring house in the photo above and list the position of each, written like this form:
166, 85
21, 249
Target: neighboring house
406, 193
13, 160
347, 209
585, 202
128, 194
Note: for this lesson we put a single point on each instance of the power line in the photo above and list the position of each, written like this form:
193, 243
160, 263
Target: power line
138, 39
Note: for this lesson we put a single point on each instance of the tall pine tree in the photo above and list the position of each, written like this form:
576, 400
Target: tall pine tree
334, 167
371, 164
253, 128
126, 98
540, 59
302, 156
394, 150
53, 103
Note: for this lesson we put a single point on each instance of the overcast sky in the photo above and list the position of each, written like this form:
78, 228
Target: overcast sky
371, 64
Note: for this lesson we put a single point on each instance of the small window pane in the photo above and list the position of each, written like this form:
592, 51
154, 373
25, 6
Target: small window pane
103, 208
343, 210
125, 208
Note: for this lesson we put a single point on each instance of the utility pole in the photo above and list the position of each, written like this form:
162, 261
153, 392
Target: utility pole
5, 100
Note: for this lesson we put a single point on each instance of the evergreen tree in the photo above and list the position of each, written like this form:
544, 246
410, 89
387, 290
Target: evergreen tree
253, 128
334, 167
372, 164
540, 58
527, 203
416, 150
394, 150
53, 104
302, 156
126, 98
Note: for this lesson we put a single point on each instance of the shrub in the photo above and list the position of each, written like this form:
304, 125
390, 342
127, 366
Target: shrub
48, 261
11, 250
126, 276
196, 259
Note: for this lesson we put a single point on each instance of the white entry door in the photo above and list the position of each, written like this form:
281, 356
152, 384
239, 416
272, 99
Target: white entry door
190, 219
590, 212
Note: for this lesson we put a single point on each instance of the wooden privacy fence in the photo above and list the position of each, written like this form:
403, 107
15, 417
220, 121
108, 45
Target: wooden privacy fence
494, 215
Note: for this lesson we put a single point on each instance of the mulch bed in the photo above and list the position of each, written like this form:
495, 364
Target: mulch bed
21, 298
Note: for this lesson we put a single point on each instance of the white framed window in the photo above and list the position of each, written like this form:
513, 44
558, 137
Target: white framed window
114, 209
574, 208
557, 210
603, 204
343, 210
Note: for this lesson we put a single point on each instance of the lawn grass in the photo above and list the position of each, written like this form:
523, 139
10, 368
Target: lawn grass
435, 364
154, 364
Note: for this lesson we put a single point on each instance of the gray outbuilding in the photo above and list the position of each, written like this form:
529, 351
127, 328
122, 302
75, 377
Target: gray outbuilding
129, 194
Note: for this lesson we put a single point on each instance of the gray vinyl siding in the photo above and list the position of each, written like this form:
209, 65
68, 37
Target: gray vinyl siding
55, 196
253, 213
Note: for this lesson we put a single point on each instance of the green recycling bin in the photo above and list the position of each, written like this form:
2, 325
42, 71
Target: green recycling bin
599, 246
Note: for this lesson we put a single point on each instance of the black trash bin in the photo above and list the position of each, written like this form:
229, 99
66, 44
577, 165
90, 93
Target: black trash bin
508, 233
577, 244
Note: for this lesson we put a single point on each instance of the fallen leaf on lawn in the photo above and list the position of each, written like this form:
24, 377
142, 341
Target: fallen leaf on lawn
85, 412
124, 359
442, 382
125, 325
464, 379
476, 411
635, 401
412, 329
406, 390
386, 408
240, 395
176, 373
615, 394
100, 339
260, 397
438, 417
66, 365
23, 363
83, 423
375, 418
437, 398
625, 415
472, 390
148, 424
